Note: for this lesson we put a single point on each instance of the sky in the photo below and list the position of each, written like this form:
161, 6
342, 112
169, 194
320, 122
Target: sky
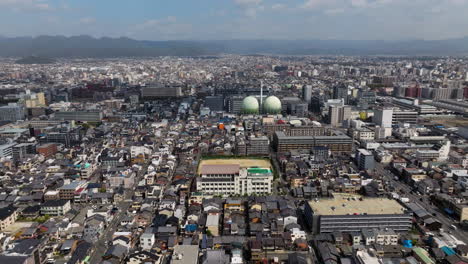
237, 19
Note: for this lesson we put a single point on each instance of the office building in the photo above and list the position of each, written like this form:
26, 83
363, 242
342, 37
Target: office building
12, 112
338, 114
307, 93
383, 117
299, 109
20, 151
336, 144
258, 146
296, 130
341, 92
234, 104
47, 150
365, 160
82, 116
402, 116
215, 103
354, 214
6, 150
320, 153
234, 180
161, 91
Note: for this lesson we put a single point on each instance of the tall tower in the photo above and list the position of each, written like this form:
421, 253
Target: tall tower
261, 94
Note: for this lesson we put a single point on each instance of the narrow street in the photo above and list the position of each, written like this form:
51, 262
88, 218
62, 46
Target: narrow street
415, 198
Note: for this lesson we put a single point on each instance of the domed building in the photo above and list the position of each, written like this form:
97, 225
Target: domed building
250, 105
272, 105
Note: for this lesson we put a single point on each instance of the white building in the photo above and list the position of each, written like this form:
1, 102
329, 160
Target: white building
231, 180
386, 237
147, 241
383, 117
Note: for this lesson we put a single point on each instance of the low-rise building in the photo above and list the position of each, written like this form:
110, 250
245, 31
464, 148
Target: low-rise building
55, 207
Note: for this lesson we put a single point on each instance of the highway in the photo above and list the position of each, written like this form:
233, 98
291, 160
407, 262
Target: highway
424, 202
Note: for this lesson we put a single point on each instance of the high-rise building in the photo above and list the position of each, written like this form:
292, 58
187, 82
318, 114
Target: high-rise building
341, 92
383, 117
307, 93
338, 114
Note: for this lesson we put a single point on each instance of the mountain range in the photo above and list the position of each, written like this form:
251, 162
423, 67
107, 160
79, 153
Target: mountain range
90, 47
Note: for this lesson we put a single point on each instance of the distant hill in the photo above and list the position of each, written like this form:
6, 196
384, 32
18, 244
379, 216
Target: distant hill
35, 60
86, 46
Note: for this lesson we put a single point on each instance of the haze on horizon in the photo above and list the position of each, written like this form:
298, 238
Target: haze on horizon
237, 19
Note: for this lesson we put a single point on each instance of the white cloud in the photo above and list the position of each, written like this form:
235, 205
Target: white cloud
250, 8
279, 7
248, 2
26, 5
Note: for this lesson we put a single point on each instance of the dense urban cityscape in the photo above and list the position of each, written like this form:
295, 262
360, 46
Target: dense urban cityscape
234, 159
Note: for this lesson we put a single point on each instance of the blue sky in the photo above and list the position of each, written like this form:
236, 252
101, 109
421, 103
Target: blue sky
237, 19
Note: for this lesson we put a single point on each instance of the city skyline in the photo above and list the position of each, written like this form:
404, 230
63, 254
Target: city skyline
238, 19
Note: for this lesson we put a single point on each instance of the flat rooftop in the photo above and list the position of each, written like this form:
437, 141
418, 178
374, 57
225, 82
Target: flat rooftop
342, 206
239, 162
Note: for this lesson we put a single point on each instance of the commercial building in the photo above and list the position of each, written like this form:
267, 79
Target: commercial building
215, 103
234, 180
234, 104
365, 160
341, 92
383, 117
160, 91
296, 130
338, 114
83, 116
12, 112
20, 151
258, 146
47, 149
403, 116
67, 192
6, 150
354, 214
336, 144
307, 93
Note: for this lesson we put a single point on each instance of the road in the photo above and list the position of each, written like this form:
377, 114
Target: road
424, 203
100, 246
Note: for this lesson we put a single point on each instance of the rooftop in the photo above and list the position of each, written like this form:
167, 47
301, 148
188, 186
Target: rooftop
343, 206
220, 169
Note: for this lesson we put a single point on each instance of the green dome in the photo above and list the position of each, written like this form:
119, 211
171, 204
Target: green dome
250, 105
272, 105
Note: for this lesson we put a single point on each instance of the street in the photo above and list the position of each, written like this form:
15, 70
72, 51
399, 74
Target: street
415, 198
101, 244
